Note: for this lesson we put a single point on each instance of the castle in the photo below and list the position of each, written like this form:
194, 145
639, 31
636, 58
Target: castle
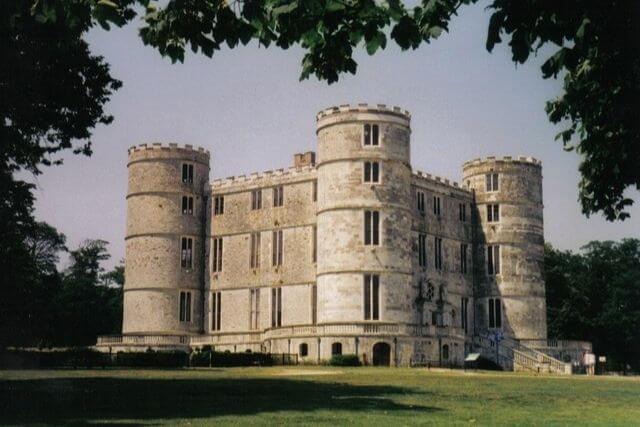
347, 252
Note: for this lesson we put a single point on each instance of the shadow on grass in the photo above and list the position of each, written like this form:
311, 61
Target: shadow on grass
81, 400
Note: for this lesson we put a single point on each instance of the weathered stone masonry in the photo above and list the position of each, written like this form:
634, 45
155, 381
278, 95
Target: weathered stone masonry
363, 255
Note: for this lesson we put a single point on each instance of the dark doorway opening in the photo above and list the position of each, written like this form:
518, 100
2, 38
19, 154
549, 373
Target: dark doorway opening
381, 354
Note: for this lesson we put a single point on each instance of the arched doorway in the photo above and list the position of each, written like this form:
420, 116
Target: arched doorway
381, 354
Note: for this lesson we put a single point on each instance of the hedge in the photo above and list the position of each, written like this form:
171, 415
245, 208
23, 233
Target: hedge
344, 360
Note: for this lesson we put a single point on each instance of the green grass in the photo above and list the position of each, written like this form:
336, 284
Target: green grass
313, 395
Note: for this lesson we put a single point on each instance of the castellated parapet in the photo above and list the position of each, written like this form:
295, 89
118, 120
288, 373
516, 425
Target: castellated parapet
160, 176
349, 252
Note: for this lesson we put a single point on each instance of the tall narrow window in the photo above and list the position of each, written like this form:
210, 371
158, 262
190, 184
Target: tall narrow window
276, 307
185, 306
491, 180
420, 201
218, 205
463, 258
256, 199
254, 306
217, 254
493, 259
187, 205
276, 246
438, 253
314, 304
254, 261
463, 211
371, 227
371, 134
216, 305
371, 297
422, 250
278, 196
186, 253
495, 313
436, 205
493, 213
372, 172
187, 173
314, 191
463, 313
314, 244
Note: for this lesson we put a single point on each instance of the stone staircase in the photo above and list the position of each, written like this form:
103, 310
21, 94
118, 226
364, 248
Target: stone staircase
512, 355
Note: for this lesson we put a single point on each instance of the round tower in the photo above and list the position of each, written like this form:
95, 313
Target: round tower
164, 263
510, 291
364, 267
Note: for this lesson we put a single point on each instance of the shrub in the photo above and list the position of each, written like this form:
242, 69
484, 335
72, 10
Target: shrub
209, 358
344, 360
152, 359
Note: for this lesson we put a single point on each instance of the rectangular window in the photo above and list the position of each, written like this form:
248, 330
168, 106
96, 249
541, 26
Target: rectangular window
493, 213
438, 253
218, 205
371, 297
186, 253
463, 314
278, 196
436, 205
187, 205
217, 254
276, 307
420, 201
495, 313
371, 227
463, 258
187, 173
256, 199
463, 211
493, 259
216, 305
422, 250
372, 172
371, 134
185, 306
254, 307
276, 246
491, 180
254, 261
314, 244
314, 304
314, 191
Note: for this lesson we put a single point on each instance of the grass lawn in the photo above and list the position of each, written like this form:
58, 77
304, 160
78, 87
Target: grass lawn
313, 395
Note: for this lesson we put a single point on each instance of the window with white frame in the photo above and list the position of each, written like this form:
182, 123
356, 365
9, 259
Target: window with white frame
491, 181
187, 205
185, 306
276, 248
371, 297
256, 199
254, 307
493, 259
276, 307
186, 253
278, 196
495, 313
372, 172
371, 228
371, 135
493, 213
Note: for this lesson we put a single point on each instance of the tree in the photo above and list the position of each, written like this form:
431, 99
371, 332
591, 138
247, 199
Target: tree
595, 295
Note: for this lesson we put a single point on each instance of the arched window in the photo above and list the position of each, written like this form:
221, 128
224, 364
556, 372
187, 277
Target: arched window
304, 349
336, 348
445, 352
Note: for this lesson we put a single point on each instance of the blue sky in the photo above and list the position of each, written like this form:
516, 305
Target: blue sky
248, 108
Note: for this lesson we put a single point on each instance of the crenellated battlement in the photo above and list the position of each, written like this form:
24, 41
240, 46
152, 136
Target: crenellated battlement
505, 159
259, 177
363, 108
166, 147
439, 180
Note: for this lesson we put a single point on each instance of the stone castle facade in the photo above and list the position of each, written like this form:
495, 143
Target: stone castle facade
348, 251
